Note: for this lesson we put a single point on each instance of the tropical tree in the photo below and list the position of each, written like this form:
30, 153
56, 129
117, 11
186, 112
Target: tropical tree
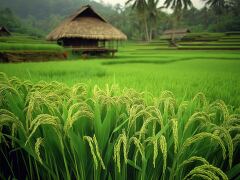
141, 8
235, 6
178, 6
147, 12
217, 5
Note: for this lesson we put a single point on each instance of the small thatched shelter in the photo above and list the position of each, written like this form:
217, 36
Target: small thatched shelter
175, 33
4, 31
86, 30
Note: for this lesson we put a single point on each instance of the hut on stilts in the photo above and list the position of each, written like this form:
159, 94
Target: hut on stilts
174, 35
88, 33
4, 31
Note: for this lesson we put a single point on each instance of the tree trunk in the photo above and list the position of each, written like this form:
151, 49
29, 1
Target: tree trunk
150, 34
146, 29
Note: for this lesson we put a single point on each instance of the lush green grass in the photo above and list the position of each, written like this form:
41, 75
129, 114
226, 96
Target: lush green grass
216, 73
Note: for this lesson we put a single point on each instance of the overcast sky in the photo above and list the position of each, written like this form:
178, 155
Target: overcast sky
196, 3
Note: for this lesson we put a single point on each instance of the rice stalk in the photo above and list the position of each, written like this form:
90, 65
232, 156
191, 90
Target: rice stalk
43, 119
121, 141
75, 112
155, 151
198, 137
221, 106
143, 129
39, 143
175, 134
139, 147
201, 98
154, 141
228, 139
98, 152
194, 159
202, 176
155, 112
90, 143
208, 170
182, 107
3, 77
198, 116
7, 117
163, 147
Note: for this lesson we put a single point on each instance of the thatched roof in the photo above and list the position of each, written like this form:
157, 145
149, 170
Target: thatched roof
4, 31
176, 31
86, 23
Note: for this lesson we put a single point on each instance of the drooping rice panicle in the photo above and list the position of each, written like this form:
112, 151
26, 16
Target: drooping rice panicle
39, 143
163, 147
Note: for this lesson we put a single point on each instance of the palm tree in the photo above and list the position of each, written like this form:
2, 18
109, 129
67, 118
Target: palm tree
216, 5
141, 7
178, 6
153, 12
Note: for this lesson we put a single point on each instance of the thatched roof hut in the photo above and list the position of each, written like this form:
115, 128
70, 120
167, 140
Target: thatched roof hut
4, 31
86, 24
175, 33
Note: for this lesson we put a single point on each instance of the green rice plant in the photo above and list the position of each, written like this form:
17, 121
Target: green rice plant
61, 132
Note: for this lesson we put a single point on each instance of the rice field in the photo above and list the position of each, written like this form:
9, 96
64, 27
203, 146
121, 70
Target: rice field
153, 112
185, 73
26, 43
58, 132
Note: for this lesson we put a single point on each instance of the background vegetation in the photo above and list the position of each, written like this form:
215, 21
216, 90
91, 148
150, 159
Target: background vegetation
40, 17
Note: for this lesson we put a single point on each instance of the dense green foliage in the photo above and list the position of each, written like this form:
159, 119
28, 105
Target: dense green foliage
16, 24
57, 132
40, 17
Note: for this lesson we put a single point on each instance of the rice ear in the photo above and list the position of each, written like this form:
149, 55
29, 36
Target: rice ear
39, 143
191, 140
163, 147
121, 141
208, 170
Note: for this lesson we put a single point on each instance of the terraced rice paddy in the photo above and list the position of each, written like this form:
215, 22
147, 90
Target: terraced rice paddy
152, 112
26, 43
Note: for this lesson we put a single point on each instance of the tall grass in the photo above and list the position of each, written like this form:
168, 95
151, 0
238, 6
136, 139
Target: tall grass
52, 131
